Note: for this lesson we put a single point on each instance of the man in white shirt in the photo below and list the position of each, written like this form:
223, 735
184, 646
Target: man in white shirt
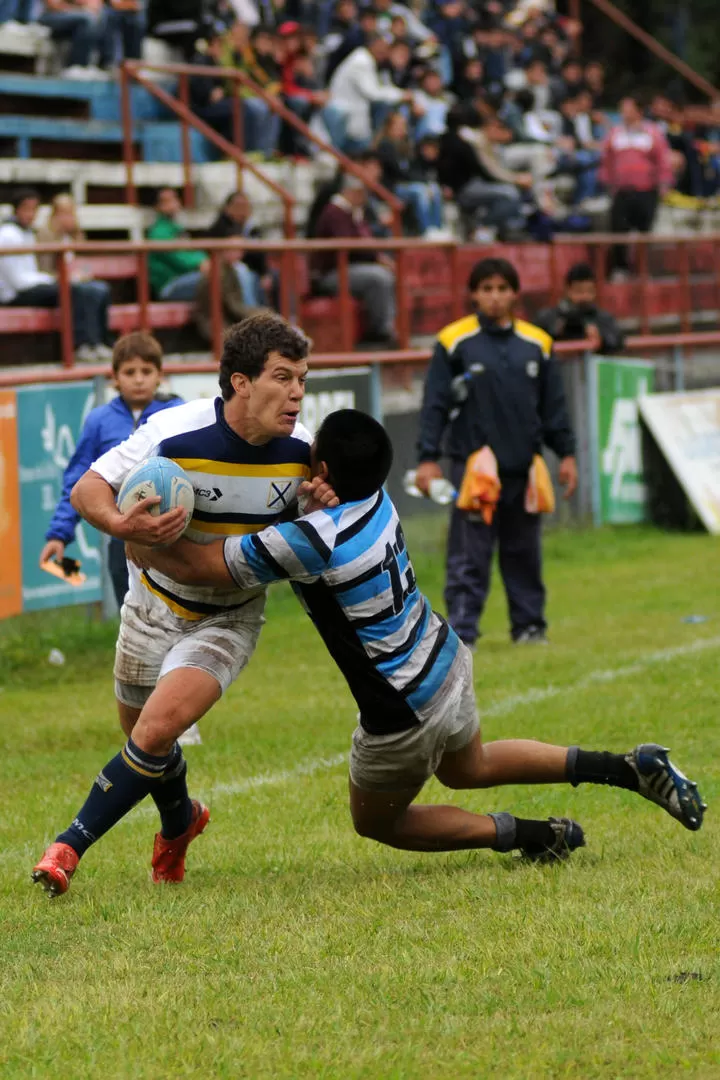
22, 284
354, 88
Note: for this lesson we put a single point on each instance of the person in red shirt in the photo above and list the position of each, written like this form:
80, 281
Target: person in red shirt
636, 167
372, 279
299, 86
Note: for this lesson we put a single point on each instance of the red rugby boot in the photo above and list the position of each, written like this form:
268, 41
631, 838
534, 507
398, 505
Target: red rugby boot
168, 860
56, 868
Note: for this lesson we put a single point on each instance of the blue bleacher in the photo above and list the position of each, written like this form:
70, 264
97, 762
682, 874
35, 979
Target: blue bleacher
154, 129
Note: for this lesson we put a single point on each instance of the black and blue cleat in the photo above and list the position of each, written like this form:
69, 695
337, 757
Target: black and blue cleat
662, 783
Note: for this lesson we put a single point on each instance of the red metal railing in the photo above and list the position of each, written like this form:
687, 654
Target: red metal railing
566, 350
131, 70
189, 119
601, 244
453, 286
626, 23
285, 252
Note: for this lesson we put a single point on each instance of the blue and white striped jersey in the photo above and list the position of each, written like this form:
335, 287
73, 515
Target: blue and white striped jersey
351, 567
239, 489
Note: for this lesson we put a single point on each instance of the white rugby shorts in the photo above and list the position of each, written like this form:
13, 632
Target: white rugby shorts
153, 641
407, 759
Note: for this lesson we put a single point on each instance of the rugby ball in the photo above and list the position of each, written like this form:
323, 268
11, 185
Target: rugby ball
157, 476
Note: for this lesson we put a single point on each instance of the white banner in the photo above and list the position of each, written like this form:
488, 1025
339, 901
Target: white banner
686, 427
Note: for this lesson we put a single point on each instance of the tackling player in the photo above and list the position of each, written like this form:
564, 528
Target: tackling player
408, 671
180, 646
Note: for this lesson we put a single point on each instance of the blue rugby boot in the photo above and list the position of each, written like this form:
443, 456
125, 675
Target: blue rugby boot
661, 783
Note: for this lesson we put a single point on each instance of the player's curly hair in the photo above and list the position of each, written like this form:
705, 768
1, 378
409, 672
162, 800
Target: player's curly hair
248, 344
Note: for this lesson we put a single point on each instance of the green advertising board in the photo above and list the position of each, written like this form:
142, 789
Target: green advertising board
614, 385
49, 420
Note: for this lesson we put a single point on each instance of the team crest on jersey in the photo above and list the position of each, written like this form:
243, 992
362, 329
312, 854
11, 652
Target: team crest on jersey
532, 369
280, 494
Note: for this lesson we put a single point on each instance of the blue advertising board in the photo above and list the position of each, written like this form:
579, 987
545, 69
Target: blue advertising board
49, 420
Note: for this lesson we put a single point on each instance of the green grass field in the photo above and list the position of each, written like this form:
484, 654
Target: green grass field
297, 949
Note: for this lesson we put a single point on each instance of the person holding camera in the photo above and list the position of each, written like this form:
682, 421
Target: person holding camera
578, 318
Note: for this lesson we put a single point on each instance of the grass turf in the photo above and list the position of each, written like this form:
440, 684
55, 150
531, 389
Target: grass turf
296, 949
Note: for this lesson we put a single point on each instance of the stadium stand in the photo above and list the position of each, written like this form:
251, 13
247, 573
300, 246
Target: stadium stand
66, 134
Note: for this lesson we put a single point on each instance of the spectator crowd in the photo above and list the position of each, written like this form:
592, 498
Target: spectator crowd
485, 102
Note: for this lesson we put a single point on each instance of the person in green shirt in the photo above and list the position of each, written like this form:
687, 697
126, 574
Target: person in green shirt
174, 275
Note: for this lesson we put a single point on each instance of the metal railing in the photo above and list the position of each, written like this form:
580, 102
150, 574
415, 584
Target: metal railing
131, 70
652, 44
287, 253
676, 346
600, 246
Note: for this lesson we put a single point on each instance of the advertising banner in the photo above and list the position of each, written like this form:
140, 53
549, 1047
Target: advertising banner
619, 494
10, 566
49, 421
686, 427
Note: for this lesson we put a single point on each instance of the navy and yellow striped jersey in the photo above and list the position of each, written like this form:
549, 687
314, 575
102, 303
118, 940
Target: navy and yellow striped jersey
239, 489
352, 570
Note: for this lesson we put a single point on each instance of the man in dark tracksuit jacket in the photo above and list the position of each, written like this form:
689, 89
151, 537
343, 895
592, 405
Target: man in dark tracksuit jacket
493, 381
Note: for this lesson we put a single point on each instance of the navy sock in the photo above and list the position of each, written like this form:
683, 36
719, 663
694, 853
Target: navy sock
599, 767
122, 783
171, 796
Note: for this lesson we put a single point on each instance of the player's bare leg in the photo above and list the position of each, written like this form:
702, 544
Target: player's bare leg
392, 817
507, 761
128, 717
180, 698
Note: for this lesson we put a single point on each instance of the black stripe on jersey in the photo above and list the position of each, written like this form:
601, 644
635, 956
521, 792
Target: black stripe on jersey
193, 605
407, 644
262, 551
372, 620
357, 526
351, 583
313, 536
427, 666
234, 519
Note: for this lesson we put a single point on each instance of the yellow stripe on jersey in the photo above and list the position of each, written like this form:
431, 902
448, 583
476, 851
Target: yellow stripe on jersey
175, 607
231, 468
530, 332
228, 528
452, 335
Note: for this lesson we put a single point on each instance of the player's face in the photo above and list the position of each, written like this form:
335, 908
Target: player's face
138, 381
494, 298
274, 396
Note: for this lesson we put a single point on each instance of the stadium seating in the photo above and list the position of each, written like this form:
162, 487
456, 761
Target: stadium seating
61, 134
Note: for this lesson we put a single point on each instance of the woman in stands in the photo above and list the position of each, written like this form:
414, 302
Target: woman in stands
403, 174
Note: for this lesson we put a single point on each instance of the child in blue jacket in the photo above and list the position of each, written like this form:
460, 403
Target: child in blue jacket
137, 368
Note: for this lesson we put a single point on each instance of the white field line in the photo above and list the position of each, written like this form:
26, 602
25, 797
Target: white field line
601, 675
500, 708
275, 779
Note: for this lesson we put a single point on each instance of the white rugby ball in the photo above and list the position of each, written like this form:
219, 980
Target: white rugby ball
157, 476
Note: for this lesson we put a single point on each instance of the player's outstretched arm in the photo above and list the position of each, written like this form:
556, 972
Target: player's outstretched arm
185, 562
293, 551
94, 499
